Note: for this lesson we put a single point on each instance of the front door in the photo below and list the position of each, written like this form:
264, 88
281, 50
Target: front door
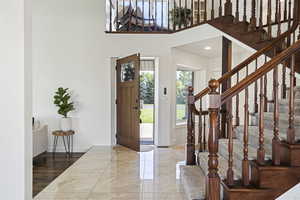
128, 102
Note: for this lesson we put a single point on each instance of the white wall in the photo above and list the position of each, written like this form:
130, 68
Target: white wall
15, 103
71, 49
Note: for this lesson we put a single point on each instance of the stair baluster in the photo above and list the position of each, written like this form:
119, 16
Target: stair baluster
237, 103
279, 19
192, 14
230, 174
228, 8
213, 179
276, 140
276, 11
162, 15
245, 11
110, 16
204, 133
245, 162
173, 15
261, 149
198, 13
200, 132
205, 10
212, 9
190, 146
237, 13
285, 10
179, 16
252, 25
185, 14
149, 11
265, 90
269, 20
117, 15
283, 86
291, 128
220, 8
255, 91
261, 15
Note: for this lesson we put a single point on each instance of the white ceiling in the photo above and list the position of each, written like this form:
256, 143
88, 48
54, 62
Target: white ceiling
215, 44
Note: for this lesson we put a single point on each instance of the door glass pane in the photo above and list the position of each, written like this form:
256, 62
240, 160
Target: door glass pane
127, 71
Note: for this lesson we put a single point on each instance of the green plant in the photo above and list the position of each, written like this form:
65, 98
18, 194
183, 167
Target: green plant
181, 16
62, 101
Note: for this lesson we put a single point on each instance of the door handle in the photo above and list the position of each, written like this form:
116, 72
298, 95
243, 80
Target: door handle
136, 107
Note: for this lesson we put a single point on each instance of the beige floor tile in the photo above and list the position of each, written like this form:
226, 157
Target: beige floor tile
117, 173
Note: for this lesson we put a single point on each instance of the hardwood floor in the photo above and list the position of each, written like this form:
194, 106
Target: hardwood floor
46, 168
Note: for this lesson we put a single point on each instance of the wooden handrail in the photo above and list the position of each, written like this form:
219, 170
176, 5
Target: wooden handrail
258, 53
260, 72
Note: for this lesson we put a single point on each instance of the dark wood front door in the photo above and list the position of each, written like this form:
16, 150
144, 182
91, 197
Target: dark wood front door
128, 102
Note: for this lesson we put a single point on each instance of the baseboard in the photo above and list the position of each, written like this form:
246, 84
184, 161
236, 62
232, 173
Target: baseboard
62, 149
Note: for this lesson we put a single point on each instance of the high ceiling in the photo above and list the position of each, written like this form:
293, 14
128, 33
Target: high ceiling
215, 50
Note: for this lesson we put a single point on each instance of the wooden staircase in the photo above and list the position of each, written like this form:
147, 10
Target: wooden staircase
258, 157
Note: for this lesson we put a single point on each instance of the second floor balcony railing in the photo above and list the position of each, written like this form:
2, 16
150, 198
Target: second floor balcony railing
167, 16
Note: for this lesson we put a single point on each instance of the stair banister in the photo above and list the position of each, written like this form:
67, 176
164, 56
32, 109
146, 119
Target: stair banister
260, 72
257, 54
213, 179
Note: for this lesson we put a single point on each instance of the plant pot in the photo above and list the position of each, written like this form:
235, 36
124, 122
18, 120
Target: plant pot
66, 124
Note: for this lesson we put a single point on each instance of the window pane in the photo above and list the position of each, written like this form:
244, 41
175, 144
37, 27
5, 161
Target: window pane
184, 79
127, 72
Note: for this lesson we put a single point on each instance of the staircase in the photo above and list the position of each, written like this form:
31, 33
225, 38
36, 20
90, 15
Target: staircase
256, 154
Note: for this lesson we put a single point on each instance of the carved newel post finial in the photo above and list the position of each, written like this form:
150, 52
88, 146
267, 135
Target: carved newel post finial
213, 179
190, 145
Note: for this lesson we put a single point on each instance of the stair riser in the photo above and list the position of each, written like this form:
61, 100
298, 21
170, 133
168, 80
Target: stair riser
297, 93
237, 159
265, 177
223, 166
283, 126
285, 109
253, 141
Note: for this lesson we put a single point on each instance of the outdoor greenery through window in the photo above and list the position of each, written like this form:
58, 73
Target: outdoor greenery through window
147, 96
184, 79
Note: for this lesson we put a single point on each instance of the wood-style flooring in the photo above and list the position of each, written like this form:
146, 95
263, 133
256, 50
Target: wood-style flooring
46, 168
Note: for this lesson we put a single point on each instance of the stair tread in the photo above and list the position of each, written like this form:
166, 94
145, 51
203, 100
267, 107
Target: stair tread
254, 131
238, 149
193, 181
282, 117
223, 165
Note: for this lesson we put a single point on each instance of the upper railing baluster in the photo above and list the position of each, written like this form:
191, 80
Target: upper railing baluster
252, 25
237, 12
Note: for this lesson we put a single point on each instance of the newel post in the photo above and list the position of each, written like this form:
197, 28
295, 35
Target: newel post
190, 145
213, 179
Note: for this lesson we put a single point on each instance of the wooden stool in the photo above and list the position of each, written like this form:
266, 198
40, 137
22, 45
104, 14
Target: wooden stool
69, 136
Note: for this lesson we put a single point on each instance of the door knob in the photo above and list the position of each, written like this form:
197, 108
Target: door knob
136, 107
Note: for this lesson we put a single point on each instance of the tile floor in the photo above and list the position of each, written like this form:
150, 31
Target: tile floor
117, 173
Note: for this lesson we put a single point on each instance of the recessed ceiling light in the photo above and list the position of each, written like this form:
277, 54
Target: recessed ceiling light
207, 48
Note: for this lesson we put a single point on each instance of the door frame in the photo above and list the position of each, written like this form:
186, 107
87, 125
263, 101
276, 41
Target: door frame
113, 95
155, 102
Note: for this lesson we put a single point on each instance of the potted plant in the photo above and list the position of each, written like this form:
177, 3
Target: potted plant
62, 99
181, 16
